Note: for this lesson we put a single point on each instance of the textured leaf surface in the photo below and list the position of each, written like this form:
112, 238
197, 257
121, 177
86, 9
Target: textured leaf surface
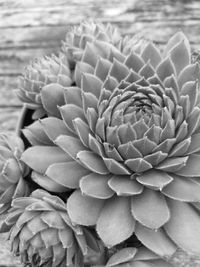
183, 226
67, 174
183, 189
157, 241
84, 210
39, 158
125, 186
192, 167
150, 209
54, 127
154, 179
52, 97
47, 183
71, 145
122, 256
115, 223
96, 185
92, 162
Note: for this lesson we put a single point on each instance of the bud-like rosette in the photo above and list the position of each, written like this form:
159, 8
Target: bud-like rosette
136, 258
12, 184
82, 36
44, 234
133, 146
42, 83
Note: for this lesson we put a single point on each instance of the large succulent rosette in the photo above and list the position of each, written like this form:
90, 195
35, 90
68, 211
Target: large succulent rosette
12, 170
128, 146
44, 235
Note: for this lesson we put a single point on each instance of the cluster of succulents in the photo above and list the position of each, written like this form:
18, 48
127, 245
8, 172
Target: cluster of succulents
109, 172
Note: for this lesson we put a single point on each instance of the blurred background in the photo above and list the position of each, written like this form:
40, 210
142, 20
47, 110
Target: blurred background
31, 28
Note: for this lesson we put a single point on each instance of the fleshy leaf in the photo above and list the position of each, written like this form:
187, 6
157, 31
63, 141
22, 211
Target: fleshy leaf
192, 167
96, 185
82, 67
183, 226
36, 135
70, 112
156, 241
154, 179
134, 62
118, 70
84, 210
150, 209
92, 84
39, 158
73, 96
54, 127
52, 97
116, 167
92, 162
67, 174
174, 41
124, 186
138, 165
70, 145
151, 54
180, 56
165, 69
195, 144
115, 223
147, 71
191, 89
102, 68
183, 189
47, 183
122, 256
172, 164
144, 253
189, 73
82, 130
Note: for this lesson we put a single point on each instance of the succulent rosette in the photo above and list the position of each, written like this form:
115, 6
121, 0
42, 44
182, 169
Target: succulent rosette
131, 138
82, 37
124, 143
44, 235
132, 257
13, 171
42, 81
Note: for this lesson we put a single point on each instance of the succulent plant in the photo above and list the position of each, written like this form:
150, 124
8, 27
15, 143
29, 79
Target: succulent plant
12, 184
44, 235
132, 146
81, 37
114, 150
42, 81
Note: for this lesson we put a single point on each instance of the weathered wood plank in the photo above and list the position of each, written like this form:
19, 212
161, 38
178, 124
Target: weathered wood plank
12, 61
9, 118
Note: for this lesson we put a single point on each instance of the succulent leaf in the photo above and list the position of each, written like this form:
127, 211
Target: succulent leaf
83, 209
184, 220
115, 223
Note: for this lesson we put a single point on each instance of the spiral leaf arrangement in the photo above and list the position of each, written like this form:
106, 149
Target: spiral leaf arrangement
111, 175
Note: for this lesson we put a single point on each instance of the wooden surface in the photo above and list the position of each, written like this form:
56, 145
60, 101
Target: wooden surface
31, 28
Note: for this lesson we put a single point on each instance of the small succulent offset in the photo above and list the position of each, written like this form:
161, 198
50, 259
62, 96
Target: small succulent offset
44, 235
113, 150
13, 170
